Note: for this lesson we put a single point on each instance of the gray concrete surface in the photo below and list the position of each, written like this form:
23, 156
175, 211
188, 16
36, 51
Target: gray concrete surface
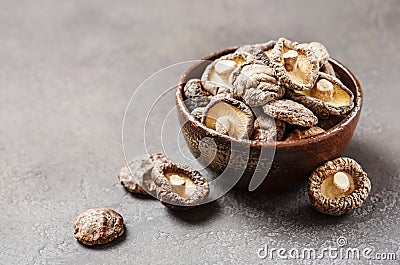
67, 70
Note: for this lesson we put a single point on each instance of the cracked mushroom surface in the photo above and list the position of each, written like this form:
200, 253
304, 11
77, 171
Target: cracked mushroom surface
229, 117
179, 186
215, 78
195, 95
304, 133
291, 112
256, 84
296, 66
250, 48
328, 97
97, 226
320, 52
338, 187
268, 129
136, 176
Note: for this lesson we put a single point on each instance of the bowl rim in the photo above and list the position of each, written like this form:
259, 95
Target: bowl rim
278, 144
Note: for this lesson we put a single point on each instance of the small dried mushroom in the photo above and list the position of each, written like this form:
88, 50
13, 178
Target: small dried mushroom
291, 112
178, 186
329, 97
215, 78
296, 65
195, 95
268, 129
136, 176
338, 187
298, 134
97, 226
256, 84
230, 117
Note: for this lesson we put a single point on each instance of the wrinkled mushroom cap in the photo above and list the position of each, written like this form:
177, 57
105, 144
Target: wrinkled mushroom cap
215, 78
256, 84
291, 112
303, 133
321, 182
342, 103
250, 48
195, 95
97, 226
320, 52
268, 129
237, 116
194, 192
136, 175
303, 76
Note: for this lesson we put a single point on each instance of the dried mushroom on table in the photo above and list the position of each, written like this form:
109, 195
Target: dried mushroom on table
136, 175
97, 226
179, 186
338, 187
292, 83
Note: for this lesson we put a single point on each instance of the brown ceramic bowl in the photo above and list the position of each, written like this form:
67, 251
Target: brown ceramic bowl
293, 161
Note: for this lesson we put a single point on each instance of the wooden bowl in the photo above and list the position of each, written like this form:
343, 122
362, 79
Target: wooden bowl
293, 161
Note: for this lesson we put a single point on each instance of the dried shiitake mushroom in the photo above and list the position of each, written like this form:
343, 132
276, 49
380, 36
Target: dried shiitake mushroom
256, 84
268, 129
327, 68
198, 113
195, 95
215, 78
136, 176
179, 186
250, 48
97, 226
320, 52
230, 117
338, 187
296, 66
332, 121
291, 112
329, 97
298, 134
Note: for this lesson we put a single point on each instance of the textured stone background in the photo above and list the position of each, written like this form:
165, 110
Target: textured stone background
67, 70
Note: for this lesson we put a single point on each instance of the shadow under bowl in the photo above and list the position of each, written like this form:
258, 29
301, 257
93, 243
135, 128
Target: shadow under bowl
292, 162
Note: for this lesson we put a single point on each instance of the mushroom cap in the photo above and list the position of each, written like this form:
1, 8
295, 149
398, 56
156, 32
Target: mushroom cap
193, 88
291, 112
304, 133
136, 176
195, 95
343, 99
361, 186
250, 48
97, 226
167, 196
320, 52
217, 83
256, 84
305, 75
327, 68
240, 115
268, 129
